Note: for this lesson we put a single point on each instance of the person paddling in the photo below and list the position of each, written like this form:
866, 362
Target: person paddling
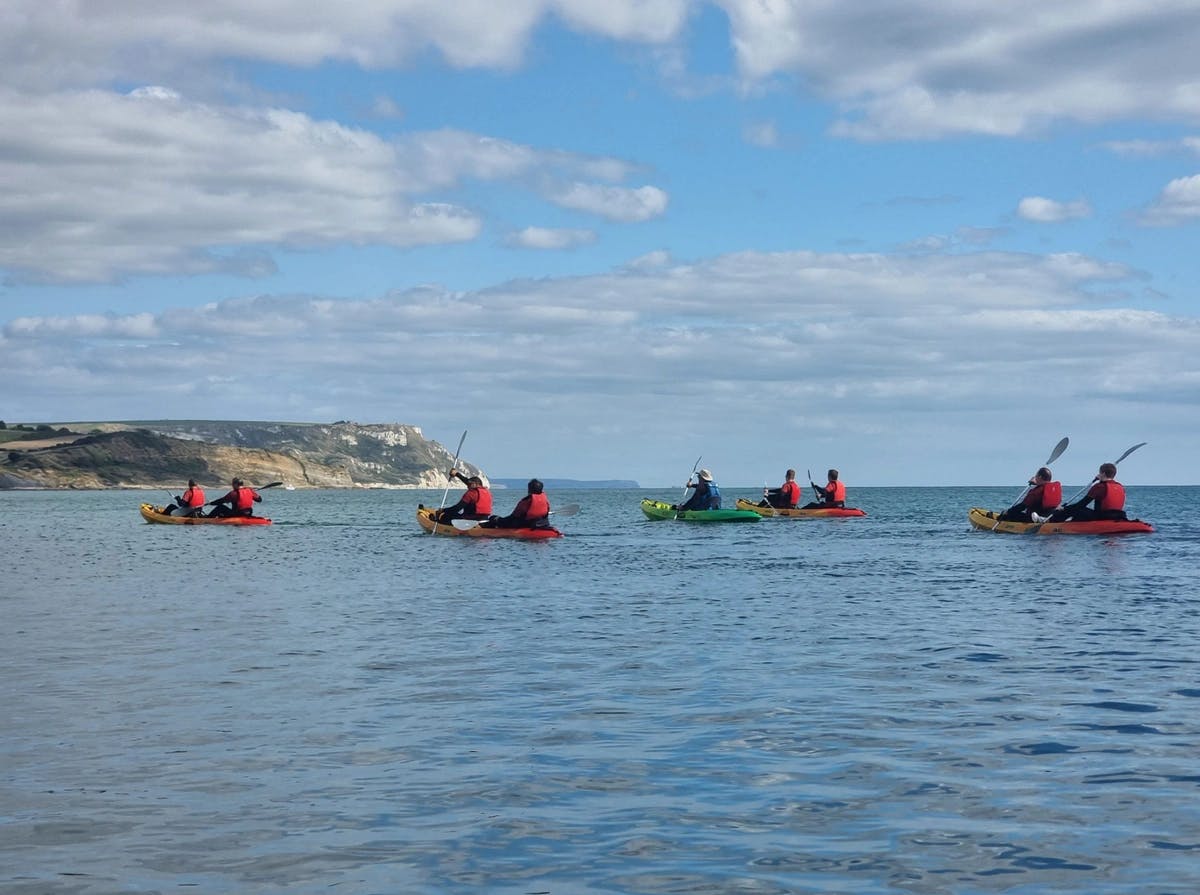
1042, 499
191, 503
786, 496
706, 497
1106, 495
531, 511
239, 501
832, 495
476, 502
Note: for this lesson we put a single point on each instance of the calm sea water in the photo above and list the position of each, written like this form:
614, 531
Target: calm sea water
339, 703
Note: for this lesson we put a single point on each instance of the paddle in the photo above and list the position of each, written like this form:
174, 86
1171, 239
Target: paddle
441, 505
1082, 491
1095, 479
819, 492
465, 524
695, 466
1054, 455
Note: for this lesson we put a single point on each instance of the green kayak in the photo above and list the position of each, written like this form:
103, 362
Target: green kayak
656, 509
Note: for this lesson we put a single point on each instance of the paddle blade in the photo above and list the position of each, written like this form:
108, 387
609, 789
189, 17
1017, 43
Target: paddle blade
464, 524
271, 485
1058, 450
1128, 452
569, 510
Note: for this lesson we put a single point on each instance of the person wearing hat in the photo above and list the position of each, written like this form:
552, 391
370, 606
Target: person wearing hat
832, 495
476, 503
191, 503
240, 500
531, 511
707, 495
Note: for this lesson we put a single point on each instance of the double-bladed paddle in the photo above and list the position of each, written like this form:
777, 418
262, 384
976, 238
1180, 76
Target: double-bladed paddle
1054, 455
1095, 479
466, 524
453, 464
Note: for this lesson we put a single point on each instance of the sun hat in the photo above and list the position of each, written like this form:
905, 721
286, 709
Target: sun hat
706, 475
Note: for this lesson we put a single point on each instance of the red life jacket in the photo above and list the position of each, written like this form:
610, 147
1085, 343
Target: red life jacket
790, 492
1046, 496
538, 508
480, 500
1113, 497
838, 494
193, 497
243, 498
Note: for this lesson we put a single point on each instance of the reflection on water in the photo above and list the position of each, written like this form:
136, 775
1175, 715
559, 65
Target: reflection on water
341, 703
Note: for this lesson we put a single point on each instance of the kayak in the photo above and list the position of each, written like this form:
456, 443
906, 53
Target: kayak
800, 512
425, 519
985, 520
155, 514
656, 509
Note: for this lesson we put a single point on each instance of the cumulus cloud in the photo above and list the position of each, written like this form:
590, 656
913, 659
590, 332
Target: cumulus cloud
550, 238
1050, 211
612, 202
1178, 203
104, 185
917, 71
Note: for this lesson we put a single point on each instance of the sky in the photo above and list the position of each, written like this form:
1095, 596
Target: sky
917, 241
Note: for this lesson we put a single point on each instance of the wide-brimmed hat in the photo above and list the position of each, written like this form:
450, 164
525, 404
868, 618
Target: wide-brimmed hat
706, 475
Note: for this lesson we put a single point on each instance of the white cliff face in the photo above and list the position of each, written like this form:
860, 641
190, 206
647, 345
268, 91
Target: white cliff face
314, 455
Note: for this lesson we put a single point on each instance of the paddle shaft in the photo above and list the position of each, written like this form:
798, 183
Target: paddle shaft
453, 464
1054, 455
1088, 486
695, 466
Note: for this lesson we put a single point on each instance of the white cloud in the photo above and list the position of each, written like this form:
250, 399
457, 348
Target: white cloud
892, 347
551, 238
105, 185
1050, 211
1178, 203
612, 202
924, 70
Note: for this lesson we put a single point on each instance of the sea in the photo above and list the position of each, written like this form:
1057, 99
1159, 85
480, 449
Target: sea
342, 703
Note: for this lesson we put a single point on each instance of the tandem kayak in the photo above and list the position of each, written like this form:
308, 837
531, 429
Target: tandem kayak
155, 514
986, 520
656, 509
800, 512
425, 519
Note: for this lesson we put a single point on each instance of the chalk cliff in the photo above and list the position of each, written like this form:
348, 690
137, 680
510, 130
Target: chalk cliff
166, 453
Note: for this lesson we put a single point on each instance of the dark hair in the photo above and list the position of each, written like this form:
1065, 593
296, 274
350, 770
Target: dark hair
1045, 473
833, 475
1108, 469
535, 487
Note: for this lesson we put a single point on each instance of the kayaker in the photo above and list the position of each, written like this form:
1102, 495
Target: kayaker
190, 504
476, 502
706, 497
1106, 495
786, 496
1043, 497
241, 500
531, 511
832, 495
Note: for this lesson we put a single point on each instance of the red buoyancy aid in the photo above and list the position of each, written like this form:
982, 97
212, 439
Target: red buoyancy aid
1046, 496
1113, 497
480, 500
790, 492
193, 497
839, 492
243, 498
539, 507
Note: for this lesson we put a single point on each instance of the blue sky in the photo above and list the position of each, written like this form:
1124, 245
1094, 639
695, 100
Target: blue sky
919, 242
